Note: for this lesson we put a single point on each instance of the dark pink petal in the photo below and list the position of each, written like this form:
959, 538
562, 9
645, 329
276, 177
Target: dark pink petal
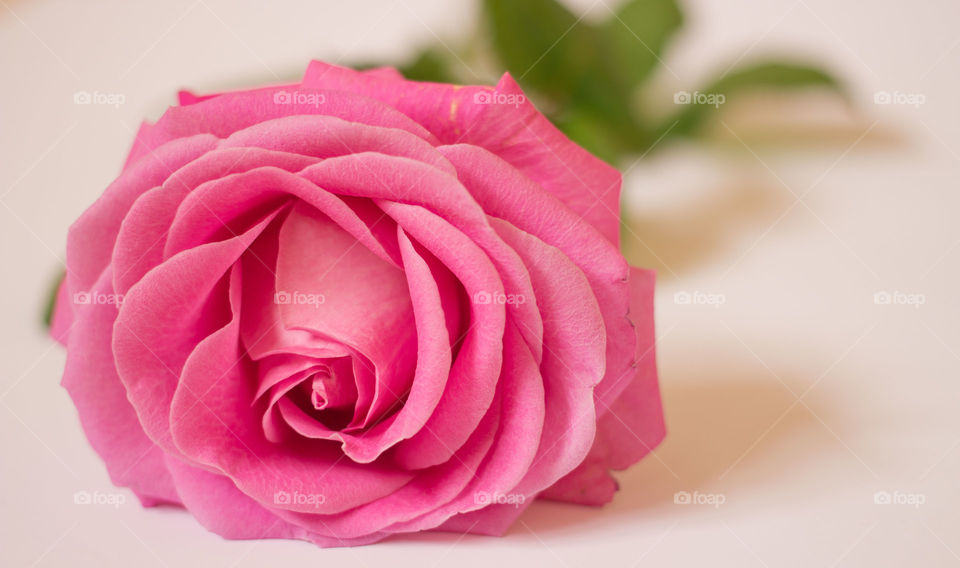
328, 136
222, 508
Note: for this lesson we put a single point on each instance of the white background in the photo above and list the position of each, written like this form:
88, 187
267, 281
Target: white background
796, 399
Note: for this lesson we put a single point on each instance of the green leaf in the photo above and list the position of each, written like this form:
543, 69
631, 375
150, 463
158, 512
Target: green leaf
430, 65
775, 75
599, 118
637, 34
594, 134
541, 43
52, 299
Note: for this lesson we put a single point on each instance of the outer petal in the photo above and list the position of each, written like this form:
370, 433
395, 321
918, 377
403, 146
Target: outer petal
229, 113
522, 136
504, 121
506, 193
518, 438
573, 361
61, 320
222, 508
633, 425
493, 520
445, 110
108, 420
91, 238
144, 231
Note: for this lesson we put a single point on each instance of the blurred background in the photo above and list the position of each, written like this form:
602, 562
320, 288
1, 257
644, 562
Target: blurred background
790, 171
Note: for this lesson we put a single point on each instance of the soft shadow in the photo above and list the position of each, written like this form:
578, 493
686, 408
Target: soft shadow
675, 241
729, 212
725, 435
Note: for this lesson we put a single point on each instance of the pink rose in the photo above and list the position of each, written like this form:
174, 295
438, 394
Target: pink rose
359, 306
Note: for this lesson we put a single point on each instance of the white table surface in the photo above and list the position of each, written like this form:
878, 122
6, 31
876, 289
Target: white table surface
795, 400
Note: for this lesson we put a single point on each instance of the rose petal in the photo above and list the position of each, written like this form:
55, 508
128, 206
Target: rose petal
401, 180
329, 136
504, 192
429, 489
91, 238
222, 508
108, 420
573, 362
143, 233
212, 425
365, 304
432, 371
630, 427
220, 207
445, 110
494, 520
504, 121
231, 112
163, 317
521, 393
473, 378
519, 134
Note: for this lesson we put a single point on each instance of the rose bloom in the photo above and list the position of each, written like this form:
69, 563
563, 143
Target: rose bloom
358, 306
